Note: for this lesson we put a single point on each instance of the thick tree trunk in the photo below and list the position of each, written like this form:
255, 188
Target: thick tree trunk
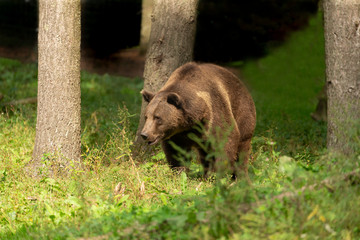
342, 45
58, 111
171, 43
147, 7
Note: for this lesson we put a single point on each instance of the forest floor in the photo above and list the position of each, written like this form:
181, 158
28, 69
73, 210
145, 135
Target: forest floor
126, 62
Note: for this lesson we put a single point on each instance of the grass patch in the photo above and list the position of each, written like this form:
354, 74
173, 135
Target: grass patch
118, 196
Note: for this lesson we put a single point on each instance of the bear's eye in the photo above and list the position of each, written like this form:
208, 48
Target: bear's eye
158, 119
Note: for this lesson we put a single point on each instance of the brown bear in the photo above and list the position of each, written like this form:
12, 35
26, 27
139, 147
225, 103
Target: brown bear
200, 94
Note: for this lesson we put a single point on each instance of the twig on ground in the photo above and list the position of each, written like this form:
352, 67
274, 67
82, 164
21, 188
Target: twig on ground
31, 100
325, 183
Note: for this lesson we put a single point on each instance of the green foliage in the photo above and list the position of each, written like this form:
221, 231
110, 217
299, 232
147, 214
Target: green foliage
295, 190
101, 96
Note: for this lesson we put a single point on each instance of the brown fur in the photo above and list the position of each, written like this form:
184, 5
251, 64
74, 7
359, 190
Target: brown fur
200, 93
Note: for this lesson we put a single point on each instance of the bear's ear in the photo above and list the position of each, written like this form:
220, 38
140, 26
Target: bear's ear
148, 96
174, 99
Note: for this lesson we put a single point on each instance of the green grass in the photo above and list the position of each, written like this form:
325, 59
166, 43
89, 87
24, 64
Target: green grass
118, 196
285, 85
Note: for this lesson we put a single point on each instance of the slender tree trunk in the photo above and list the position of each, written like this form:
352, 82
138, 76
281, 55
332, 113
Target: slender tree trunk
171, 43
147, 7
58, 111
342, 47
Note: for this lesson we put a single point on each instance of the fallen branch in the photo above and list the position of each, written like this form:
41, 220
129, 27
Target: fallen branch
31, 100
325, 183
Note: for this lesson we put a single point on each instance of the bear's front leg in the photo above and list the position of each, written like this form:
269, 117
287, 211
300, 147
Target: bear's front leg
170, 153
205, 162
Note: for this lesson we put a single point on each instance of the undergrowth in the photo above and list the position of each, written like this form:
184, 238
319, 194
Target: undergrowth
295, 189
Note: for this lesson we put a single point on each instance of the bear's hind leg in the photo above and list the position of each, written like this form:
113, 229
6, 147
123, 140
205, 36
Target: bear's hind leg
244, 151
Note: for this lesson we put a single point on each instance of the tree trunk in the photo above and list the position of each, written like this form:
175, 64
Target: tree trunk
171, 43
58, 111
342, 48
147, 7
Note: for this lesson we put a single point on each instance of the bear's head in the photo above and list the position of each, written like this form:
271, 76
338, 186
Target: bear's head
164, 116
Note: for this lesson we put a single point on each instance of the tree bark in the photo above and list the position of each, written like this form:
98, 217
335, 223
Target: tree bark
171, 43
58, 111
342, 51
147, 7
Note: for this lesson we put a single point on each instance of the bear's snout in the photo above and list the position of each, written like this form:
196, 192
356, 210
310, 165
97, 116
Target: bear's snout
151, 140
149, 137
144, 135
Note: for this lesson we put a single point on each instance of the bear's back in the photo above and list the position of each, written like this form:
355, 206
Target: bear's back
233, 90
204, 77
223, 94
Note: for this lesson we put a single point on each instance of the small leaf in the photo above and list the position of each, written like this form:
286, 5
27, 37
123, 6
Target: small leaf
322, 218
163, 199
74, 201
313, 213
183, 181
329, 229
3, 175
178, 221
159, 156
12, 215
123, 199
200, 216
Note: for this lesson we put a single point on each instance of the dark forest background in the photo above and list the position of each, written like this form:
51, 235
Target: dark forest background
228, 30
